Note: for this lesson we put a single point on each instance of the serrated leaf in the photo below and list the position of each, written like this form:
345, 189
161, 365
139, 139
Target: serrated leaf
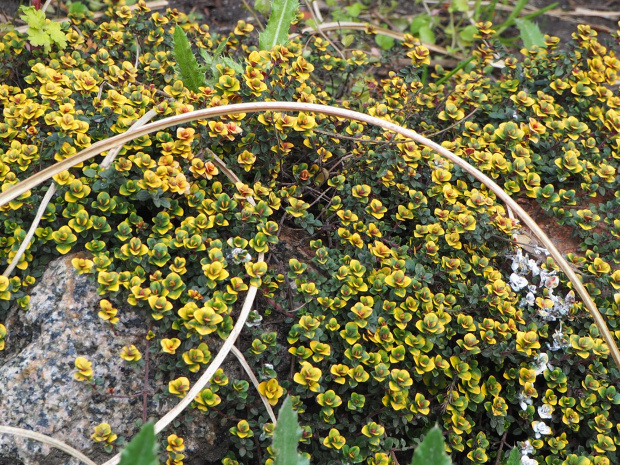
191, 75
142, 450
220, 48
38, 38
432, 450
33, 17
276, 32
515, 457
530, 33
286, 436
262, 6
206, 57
211, 63
232, 64
55, 32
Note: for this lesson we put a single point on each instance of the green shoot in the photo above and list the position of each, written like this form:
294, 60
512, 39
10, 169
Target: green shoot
280, 20
432, 450
286, 436
142, 450
191, 74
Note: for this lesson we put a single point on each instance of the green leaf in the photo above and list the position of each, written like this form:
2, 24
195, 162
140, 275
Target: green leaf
211, 62
77, 7
33, 17
427, 35
347, 40
220, 48
418, 22
55, 32
515, 457
232, 64
530, 33
42, 33
468, 32
208, 59
262, 6
39, 38
286, 436
432, 450
355, 10
142, 450
276, 32
191, 75
384, 42
459, 5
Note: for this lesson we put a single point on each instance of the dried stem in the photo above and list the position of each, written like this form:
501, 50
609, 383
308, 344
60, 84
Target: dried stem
501, 446
237, 353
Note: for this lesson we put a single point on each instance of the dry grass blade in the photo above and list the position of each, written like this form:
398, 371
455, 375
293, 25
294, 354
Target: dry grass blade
46, 440
203, 381
237, 353
585, 12
148, 116
26, 242
48, 196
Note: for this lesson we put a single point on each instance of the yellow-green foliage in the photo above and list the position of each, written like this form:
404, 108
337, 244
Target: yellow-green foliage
395, 294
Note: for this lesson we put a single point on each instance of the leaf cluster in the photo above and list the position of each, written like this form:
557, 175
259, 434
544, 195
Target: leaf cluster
393, 287
41, 31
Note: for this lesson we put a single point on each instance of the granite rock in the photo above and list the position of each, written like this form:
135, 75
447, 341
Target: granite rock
37, 388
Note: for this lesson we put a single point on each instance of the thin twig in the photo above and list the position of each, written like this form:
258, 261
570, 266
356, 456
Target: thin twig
356, 139
37, 219
452, 125
320, 196
394, 457
501, 446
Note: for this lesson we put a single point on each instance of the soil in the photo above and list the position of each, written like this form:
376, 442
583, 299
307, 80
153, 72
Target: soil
561, 236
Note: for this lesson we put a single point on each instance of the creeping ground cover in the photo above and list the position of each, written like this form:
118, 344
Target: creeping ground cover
392, 294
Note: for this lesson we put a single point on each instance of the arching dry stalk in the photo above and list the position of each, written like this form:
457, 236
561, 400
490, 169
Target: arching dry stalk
121, 139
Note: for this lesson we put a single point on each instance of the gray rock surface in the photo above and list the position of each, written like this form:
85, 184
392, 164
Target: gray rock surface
37, 388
